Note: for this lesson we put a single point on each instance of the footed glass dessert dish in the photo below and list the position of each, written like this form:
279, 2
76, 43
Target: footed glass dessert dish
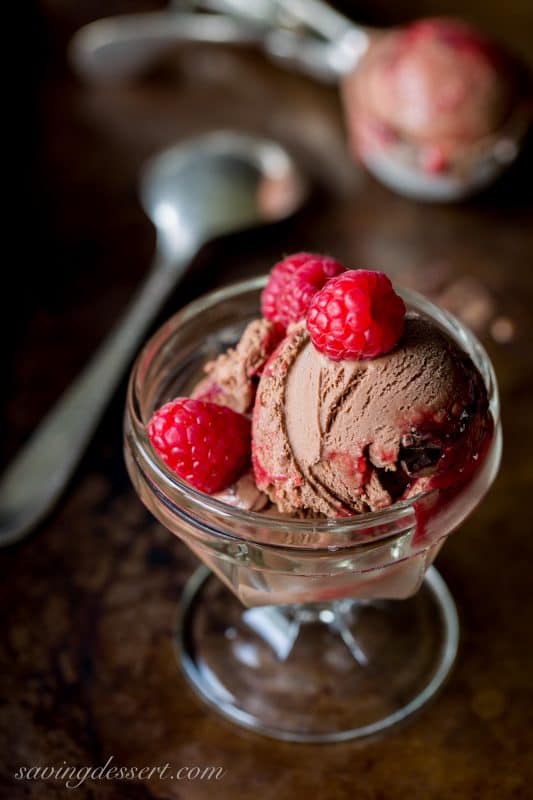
313, 629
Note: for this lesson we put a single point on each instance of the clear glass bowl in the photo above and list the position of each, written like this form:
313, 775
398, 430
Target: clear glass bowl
304, 637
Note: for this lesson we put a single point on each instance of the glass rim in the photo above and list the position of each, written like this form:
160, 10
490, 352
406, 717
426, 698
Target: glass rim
202, 502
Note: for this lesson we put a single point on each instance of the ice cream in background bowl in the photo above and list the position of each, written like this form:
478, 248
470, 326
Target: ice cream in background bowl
372, 426
436, 109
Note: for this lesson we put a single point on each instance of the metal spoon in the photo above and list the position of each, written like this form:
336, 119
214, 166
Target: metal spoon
215, 184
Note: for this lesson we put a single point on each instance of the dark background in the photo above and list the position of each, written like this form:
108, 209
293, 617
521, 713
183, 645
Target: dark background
89, 600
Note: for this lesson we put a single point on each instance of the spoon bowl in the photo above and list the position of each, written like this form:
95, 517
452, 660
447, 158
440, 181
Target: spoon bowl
220, 183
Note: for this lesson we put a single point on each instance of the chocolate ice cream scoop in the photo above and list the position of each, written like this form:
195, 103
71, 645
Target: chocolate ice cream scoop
232, 377
337, 438
231, 380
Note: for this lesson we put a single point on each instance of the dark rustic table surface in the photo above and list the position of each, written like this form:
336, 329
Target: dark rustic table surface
89, 600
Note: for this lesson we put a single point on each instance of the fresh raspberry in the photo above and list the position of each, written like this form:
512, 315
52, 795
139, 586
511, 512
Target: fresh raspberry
206, 444
356, 315
433, 159
292, 284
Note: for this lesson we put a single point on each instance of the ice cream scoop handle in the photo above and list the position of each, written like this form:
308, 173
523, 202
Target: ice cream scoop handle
115, 48
348, 41
40, 472
320, 17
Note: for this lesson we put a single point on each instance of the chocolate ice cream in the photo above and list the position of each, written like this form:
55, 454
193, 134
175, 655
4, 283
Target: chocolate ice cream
438, 85
231, 380
245, 494
338, 438
232, 377
355, 405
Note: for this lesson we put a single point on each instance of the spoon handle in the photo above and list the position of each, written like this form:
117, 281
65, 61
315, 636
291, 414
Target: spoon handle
40, 472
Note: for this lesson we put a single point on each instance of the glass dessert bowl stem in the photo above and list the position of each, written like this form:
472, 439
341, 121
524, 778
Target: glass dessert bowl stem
313, 629
336, 672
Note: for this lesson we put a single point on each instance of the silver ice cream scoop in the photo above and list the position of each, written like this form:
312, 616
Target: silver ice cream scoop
310, 36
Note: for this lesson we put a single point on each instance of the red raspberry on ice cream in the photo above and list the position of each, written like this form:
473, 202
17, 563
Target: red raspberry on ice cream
292, 284
356, 315
206, 444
